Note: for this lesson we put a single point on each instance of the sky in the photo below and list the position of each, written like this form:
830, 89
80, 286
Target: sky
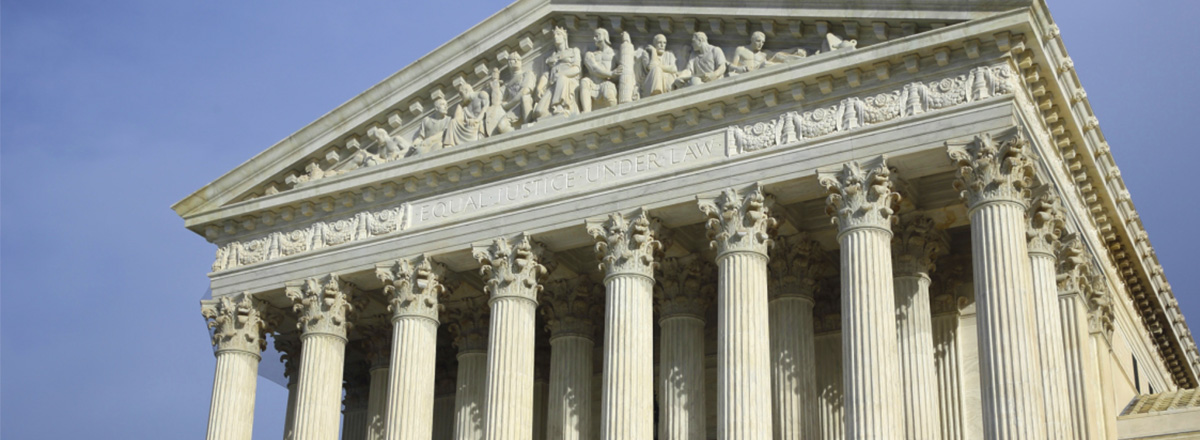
112, 111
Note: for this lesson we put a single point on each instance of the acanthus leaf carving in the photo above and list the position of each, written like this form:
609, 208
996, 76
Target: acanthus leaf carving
238, 324
627, 245
861, 195
468, 324
571, 305
513, 268
990, 171
1047, 222
323, 305
413, 287
916, 245
797, 265
686, 286
739, 221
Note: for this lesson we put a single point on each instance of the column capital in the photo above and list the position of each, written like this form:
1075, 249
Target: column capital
570, 306
237, 322
685, 286
992, 172
739, 221
627, 246
323, 305
861, 195
413, 287
916, 244
377, 345
797, 264
1046, 221
513, 267
1077, 275
288, 345
468, 325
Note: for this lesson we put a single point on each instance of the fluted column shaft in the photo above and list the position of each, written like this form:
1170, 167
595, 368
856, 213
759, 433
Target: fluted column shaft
793, 365
1050, 343
231, 415
681, 377
874, 405
354, 423
743, 347
319, 393
443, 417
1082, 370
949, 381
831, 409
289, 418
469, 395
1103, 351
377, 400
915, 341
508, 406
410, 385
570, 397
628, 394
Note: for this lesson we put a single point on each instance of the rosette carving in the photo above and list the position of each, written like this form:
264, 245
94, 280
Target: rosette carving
570, 306
860, 195
468, 325
796, 265
686, 286
1046, 221
512, 268
238, 324
413, 287
323, 305
627, 246
916, 244
990, 171
740, 221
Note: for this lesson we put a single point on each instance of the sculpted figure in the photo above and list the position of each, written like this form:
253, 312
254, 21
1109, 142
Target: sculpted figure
658, 67
706, 64
835, 43
431, 135
599, 87
557, 87
389, 147
753, 57
469, 121
515, 96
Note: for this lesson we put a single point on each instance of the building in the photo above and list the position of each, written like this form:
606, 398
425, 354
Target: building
612, 220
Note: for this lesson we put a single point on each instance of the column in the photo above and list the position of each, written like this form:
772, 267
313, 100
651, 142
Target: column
512, 275
413, 288
354, 411
569, 306
627, 248
953, 328
238, 334
469, 328
861, 201
916, 244
322, 305
541, 394
946, 364
740, 224
795, 266
443, 406
830, 398
288, 345
379, 356
992, 178
1045, 225
685, 291
1086, 318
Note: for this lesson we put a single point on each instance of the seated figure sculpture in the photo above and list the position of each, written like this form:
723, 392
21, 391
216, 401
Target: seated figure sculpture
557, 87
515, 96
599, 88
431, 135
471, 119
706, 64
657, 67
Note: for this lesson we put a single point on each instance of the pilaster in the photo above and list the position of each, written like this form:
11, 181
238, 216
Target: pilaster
239, 331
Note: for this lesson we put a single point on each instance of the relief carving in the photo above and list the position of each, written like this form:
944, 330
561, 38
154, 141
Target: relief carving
557, 87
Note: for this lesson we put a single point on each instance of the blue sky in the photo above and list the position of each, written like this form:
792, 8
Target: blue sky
112, 111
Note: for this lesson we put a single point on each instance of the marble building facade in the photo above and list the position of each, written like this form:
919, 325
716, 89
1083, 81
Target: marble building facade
632, 221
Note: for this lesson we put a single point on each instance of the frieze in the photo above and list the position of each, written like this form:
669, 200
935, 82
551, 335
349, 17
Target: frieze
855, 112
318, 235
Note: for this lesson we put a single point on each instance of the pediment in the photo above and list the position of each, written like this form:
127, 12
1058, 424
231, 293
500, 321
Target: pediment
387, 123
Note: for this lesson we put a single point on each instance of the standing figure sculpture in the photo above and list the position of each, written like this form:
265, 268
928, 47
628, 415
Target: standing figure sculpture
658, 67
557, 87
515, 96
599, 88
706, 64
431, 135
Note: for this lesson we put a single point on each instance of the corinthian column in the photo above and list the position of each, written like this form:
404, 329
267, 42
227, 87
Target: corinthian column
288, 346
354, 412
379, 355
322, 305
684, 294
238, 333
740, 226
512, 273
916, 244
569, 308
469, 326
627, 248
994, 178
412, 288
796, 264
1081, 363
953, 284
1046, 223
861, 200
